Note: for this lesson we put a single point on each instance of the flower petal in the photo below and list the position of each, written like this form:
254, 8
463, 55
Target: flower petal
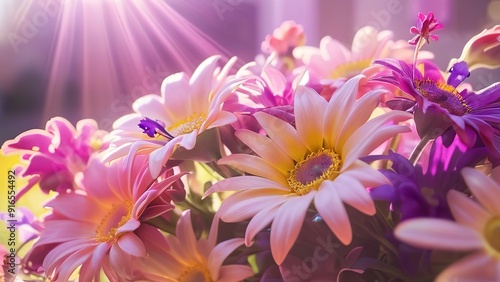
430, 233
131, 244
332, 210
259, 222
283, 134
371, 135
466, 211
185, 233
230, 273
309, 109
354, 194
266, 149
220, 253
238, 183
485, 189
246, 204
475, 267
360, 113
339, 107
287, 224
254, 165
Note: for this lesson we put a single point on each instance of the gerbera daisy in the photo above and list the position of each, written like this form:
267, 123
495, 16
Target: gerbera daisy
439, 105
318, 161
332, 63
97, 229
57, 154
184, 258
186, 108
476, 229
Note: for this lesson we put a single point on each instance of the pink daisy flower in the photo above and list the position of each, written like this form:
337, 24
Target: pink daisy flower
99, 228
184, 258
57, 154
332, 61
318, 161
186, 108
477, 228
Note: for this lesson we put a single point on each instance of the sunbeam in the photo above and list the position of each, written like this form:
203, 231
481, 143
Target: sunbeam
104, 54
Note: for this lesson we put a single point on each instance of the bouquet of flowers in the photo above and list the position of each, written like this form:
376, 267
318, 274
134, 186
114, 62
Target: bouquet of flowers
308, 164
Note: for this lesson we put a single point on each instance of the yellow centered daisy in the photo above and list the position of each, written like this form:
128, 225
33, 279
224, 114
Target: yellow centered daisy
313, 170
314, 162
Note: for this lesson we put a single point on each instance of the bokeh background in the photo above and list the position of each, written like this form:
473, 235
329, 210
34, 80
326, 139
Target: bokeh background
93, 58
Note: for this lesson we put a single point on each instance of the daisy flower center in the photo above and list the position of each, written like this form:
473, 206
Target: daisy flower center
195, 273
187, 125
350, 69
445, 95
309, 173
119, 214
492, 235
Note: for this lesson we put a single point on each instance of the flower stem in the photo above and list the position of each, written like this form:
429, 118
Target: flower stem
419, 149
419, 45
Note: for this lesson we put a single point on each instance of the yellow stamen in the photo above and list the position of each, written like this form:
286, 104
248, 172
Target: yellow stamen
119, 214
314, 169
195, 272
433, 91
187, 125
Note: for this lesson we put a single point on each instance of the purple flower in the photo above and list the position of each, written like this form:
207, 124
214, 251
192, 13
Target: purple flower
425, 25
415, 193
57, 154
440, 107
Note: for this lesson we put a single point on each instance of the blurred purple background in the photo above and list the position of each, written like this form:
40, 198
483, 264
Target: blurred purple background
92, 58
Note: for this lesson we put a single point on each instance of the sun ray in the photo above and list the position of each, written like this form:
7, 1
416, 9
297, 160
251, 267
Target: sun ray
105, 53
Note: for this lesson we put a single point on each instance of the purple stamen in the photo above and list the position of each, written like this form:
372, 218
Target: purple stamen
458, 73
151, 128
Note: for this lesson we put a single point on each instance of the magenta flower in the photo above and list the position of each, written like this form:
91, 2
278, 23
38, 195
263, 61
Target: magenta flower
425, 25
56, 155
441, 108
99, 228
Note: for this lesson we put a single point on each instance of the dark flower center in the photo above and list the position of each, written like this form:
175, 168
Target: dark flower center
443, 94
309, 173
